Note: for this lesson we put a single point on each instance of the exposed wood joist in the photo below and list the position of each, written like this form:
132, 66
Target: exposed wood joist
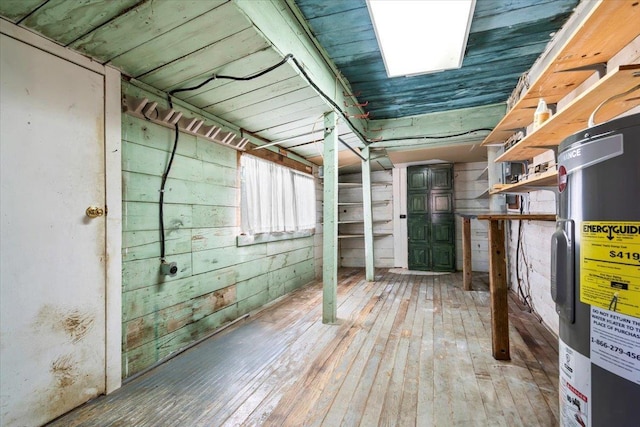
279, 24
280, 158
438, 124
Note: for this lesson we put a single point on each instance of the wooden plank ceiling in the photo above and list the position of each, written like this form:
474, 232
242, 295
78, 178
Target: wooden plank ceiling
171, 44
505, 38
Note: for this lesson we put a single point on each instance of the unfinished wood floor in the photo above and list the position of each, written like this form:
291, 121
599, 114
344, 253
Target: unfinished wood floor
408, 351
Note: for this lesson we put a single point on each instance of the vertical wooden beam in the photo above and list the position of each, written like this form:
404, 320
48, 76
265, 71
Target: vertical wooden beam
368, 216
330, 221
466, 253
498, 291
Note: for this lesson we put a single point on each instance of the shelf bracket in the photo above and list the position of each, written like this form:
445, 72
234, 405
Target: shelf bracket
600, 67
516, 130
549, 147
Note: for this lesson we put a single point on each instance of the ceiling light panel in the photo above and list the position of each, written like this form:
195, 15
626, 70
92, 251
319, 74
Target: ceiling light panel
421, 36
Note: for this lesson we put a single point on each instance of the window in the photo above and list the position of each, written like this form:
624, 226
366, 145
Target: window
275, 198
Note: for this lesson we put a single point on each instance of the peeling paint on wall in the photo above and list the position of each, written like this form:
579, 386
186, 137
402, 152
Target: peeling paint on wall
217, 281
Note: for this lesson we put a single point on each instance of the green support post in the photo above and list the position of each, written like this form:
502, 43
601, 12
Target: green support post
368, 216
330, 222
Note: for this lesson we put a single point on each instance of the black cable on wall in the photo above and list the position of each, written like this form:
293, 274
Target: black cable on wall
255, 76
165, 175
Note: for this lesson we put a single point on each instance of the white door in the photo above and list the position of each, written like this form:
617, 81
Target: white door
52, 272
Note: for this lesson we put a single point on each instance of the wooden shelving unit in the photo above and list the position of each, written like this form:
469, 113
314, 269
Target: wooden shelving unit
575, 115
606, 30
347, 232
610, 26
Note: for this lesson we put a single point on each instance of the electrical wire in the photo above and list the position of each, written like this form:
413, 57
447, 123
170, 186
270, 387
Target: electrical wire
328, 99
302, 71
165, 175
592, 117
240, 79
524, 296
353, 150
453, 135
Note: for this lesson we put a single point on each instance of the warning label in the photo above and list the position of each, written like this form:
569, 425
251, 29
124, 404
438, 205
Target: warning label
615, 343
575, 387
610, 266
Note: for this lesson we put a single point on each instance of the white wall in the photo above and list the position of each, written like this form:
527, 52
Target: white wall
533, 264
470, 183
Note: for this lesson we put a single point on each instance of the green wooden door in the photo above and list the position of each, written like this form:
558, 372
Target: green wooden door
430, 218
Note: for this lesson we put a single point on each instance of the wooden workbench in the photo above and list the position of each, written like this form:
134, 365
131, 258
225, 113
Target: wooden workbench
497, 272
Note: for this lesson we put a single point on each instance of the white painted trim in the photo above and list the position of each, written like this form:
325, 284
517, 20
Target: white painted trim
113, 182
11, 30
400, 244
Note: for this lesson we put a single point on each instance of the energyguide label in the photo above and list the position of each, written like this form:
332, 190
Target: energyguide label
610, 266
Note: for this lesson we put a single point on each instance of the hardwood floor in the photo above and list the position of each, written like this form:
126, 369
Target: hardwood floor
409, 350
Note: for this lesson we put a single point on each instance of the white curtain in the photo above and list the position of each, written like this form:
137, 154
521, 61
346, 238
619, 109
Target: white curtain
275, 198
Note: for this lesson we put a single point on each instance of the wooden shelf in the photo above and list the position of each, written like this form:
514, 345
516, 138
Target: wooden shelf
575, 115
536, 182
361, 221
609, 26
358, 236
359, 184
508, 217
381, 202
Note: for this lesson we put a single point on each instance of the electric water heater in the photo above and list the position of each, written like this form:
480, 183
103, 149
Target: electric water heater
595, 274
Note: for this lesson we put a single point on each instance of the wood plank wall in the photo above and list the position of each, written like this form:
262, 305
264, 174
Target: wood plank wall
534, 260
470, 183
352, 250
217, 281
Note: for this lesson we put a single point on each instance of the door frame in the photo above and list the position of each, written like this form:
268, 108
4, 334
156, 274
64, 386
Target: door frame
113, 192
400, 232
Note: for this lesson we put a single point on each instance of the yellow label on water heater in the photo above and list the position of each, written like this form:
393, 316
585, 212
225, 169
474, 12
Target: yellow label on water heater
610, 265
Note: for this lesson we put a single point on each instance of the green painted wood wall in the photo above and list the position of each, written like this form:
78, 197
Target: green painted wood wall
217, 281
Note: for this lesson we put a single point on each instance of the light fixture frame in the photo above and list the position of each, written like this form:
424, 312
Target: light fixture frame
461, 52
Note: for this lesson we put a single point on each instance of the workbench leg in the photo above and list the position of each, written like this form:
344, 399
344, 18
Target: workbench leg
466, 253
498, 291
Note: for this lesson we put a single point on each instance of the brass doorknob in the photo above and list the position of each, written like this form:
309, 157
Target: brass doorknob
94, 211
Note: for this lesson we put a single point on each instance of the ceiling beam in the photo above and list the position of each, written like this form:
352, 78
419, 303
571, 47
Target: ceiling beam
439, 126
282, 25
